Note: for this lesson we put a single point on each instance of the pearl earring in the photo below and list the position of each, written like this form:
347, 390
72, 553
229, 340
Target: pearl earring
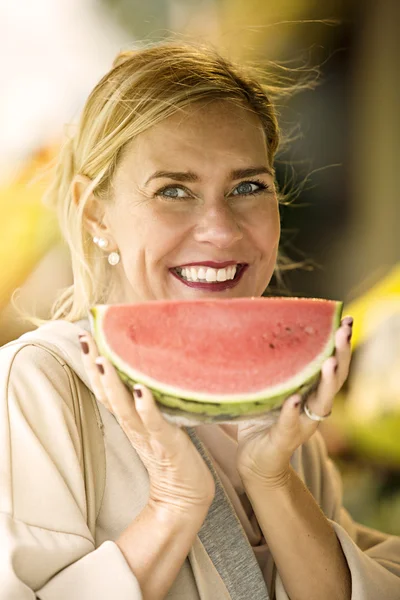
100, 242
113, 258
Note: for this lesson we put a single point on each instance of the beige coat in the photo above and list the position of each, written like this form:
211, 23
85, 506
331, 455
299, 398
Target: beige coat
68, 491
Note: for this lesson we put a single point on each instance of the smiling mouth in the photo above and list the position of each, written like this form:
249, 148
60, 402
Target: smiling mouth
210, 278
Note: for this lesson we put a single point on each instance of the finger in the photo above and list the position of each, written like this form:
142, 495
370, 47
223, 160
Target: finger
283, 433
320, 402
119, 398
89, 355
343, 351
289, 414
348, 320
150, 414
292, 429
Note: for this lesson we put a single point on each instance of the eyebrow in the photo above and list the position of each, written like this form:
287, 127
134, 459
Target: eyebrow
189, 176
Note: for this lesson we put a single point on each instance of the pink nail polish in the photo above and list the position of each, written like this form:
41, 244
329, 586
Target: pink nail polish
100, 368
348, 321
297, 403
137, 391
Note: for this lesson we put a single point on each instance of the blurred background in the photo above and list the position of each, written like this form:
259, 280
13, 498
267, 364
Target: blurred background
345, 157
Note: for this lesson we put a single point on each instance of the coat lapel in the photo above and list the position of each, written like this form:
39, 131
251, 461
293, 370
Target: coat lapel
221, 542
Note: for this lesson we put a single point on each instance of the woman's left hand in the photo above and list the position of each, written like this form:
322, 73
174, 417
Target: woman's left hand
264, 453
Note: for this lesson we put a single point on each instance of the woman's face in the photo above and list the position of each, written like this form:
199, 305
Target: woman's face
194, 211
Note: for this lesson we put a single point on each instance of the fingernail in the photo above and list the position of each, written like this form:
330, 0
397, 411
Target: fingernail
137, 391
85, 347
297, 403
100, 368
348, 321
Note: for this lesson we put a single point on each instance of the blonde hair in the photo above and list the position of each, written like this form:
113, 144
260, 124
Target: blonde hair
142, 88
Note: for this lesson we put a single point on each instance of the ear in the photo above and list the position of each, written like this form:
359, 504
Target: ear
94, 211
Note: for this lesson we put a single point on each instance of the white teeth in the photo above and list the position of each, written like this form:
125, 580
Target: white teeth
222, 275
211, 275
208, 274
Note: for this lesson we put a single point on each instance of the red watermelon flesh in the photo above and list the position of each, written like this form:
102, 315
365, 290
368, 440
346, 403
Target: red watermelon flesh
236, 354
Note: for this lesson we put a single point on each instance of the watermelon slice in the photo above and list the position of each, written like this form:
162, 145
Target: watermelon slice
219, 360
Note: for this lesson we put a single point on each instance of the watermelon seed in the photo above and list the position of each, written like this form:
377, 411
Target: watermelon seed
272, 346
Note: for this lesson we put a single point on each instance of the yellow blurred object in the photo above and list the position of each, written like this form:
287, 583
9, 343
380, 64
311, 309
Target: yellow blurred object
373, 307
371, 411
29, 228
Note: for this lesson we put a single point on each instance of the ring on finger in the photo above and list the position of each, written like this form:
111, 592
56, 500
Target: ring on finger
313, 416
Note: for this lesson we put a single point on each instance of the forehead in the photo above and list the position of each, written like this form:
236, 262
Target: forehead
201, 136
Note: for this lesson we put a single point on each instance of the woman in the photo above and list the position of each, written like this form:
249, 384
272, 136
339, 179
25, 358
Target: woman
166, 188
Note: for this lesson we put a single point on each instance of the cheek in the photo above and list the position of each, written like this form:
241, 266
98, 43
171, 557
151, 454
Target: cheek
266, 228
150, 236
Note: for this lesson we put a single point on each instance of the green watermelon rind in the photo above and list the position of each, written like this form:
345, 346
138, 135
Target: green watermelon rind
176, 400
206, 411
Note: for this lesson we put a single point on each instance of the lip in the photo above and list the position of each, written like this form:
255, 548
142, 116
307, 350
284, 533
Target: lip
218, 286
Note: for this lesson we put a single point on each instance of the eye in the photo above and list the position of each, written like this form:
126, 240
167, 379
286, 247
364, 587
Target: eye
249, 188
173, 192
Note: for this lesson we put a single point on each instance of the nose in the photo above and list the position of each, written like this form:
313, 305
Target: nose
218, 225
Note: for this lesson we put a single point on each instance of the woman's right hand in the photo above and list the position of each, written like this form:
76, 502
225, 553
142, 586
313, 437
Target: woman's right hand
180, 480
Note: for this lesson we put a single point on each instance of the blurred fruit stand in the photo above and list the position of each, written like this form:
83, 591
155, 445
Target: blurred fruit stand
34, 264
363, 435
28, 229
